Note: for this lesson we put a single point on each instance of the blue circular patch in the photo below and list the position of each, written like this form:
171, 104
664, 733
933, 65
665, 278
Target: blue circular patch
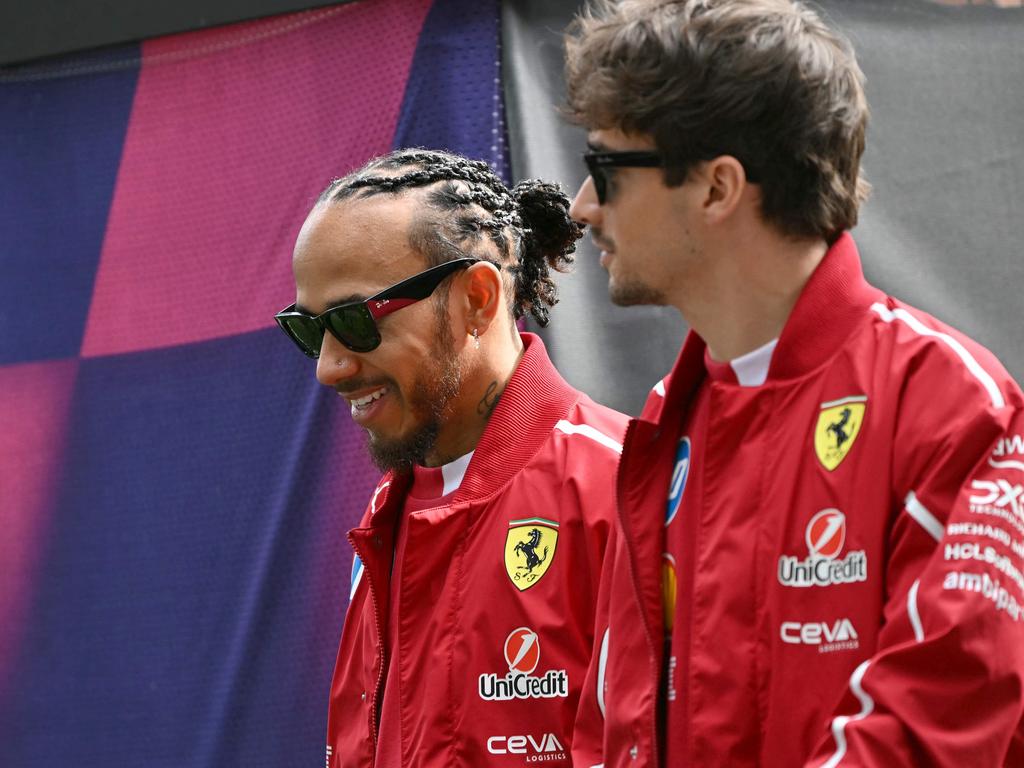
356, 577
678, 483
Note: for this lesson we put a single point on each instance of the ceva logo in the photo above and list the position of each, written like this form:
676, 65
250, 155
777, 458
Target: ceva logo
546, 748
825, 537
839, 635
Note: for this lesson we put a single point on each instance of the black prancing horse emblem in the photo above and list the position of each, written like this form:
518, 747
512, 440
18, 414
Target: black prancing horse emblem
528, 549
836, 428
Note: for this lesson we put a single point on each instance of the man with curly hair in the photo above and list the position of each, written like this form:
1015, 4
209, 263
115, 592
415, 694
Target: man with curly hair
470, 624
820, 545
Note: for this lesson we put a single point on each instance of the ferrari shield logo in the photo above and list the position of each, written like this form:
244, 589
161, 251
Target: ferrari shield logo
837, 429
529, 550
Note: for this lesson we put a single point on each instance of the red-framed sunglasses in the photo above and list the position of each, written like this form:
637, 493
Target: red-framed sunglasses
355, 324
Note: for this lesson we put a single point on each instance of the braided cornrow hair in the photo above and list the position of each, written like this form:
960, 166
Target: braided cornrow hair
530, 224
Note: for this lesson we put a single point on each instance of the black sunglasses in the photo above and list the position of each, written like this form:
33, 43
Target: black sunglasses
355, 324
598, 164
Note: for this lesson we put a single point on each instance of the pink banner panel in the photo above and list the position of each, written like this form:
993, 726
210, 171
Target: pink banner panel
34, 400
233, 133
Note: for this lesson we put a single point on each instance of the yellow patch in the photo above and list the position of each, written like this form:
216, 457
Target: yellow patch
837, 429
529, 550
668, 589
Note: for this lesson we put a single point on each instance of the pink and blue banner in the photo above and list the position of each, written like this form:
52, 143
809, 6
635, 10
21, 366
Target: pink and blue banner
175, 487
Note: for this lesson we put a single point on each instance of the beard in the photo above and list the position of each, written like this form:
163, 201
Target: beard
632, 293
429, 400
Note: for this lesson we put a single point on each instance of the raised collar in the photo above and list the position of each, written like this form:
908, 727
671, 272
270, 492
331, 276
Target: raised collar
830, 306
535, 398
834, 301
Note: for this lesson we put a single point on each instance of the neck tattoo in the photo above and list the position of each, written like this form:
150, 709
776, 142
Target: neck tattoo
489, 401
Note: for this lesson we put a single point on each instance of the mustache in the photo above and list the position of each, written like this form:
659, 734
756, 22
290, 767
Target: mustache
354, 385
600, 241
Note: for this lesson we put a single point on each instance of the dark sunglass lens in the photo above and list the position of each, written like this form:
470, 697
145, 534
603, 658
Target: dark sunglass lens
354, 327
600, 184
306, 333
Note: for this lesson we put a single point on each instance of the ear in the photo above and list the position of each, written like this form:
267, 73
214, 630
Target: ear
725, 183
482, 297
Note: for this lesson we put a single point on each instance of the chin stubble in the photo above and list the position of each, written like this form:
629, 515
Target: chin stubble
430, 400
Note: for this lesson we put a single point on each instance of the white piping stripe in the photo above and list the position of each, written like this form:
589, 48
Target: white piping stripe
919, 512
1006, 464
972, 365
602, 668
915, 616
588, 431
867, 706
659, 388
376, 493
845, 400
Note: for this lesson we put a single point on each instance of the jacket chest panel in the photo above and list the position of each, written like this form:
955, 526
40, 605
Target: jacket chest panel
772, 495
494, 626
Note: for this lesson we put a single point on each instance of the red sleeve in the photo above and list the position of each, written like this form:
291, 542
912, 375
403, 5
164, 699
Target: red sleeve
946, 685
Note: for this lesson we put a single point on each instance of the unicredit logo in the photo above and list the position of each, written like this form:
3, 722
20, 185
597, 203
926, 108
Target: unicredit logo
825, 537
522, 655
826, 533
522, 650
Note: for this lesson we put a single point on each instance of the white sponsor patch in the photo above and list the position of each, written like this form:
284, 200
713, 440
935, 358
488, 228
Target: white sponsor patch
980, 529
537, 749
987, 587
522, 655
825, 537
839, 635
1011, 445
972, 550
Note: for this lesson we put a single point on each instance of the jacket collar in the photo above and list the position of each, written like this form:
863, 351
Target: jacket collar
534, 400
832, 303
830, 306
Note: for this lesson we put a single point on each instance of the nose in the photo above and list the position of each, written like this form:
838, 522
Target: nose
336, 362
585, 209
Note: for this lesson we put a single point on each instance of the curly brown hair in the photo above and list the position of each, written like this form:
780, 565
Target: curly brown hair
765, 81
465, 201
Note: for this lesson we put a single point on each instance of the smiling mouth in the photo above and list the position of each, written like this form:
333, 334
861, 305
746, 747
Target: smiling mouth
363, 402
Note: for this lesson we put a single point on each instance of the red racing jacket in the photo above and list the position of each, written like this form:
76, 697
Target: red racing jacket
854, 582
497, 589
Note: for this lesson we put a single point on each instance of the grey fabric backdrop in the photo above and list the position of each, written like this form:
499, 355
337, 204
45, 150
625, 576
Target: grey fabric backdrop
943, 229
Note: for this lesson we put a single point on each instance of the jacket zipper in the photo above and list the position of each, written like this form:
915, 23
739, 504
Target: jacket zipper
379, 623
627, 534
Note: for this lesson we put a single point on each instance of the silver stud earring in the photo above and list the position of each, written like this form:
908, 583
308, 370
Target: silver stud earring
476, 338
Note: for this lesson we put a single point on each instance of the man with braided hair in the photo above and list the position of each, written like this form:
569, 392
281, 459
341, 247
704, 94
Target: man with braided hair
820, 542
470, 623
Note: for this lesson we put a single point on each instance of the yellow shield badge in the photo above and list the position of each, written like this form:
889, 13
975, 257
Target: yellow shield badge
838, 426
529, 550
